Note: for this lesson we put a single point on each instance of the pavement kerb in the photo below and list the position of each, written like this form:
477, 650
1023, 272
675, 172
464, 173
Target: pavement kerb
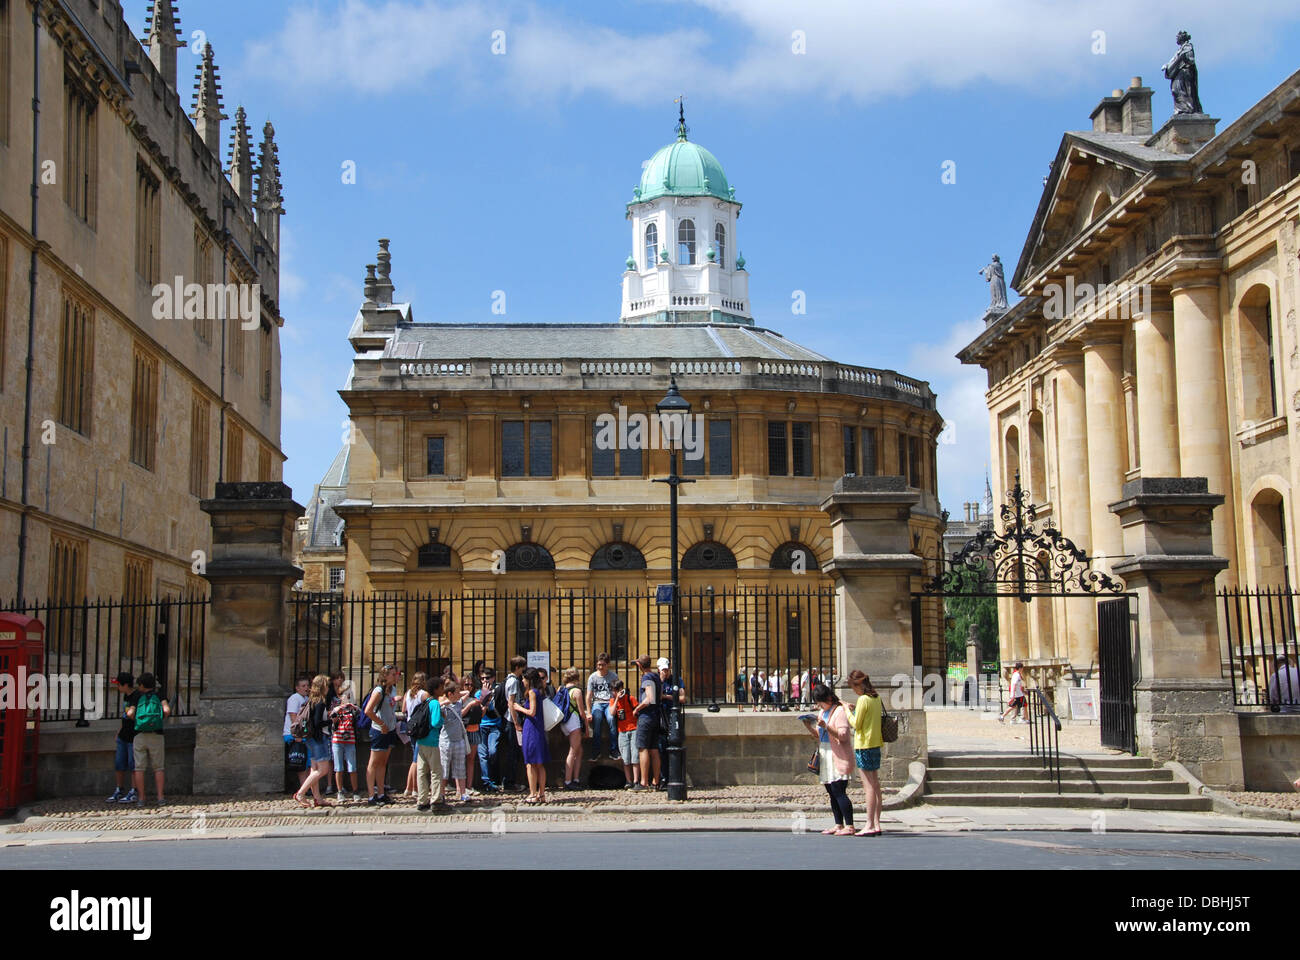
1222, 804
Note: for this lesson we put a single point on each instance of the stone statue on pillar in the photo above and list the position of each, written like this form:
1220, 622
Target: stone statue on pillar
997, 285
1180, 71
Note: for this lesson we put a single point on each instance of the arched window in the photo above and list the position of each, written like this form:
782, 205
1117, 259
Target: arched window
1011, 457
686, 242
720, 242
709, 555
651, 246
1258, 364
523, 557
1037, 458
1269, 521
618, 556
433, 556
786, 556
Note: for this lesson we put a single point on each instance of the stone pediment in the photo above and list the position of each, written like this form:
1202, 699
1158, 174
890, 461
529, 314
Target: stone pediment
1090, 172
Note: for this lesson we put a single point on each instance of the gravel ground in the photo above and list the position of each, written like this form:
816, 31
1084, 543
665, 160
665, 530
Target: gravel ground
1278, 801
811, 794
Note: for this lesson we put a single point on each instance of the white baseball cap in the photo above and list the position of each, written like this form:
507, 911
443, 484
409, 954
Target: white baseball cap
663, 663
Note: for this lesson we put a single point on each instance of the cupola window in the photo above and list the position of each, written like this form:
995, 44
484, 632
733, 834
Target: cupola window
686, 242
651, 246
720, 243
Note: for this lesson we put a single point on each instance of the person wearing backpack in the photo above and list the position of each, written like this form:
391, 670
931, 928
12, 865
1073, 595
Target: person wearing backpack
424, 726
343, 726
572, 709
314, 723
292, 708
150, 747
647, 724
382, 718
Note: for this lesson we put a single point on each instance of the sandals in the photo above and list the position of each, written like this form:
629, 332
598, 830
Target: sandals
830, 832
844, 832
302, 802
868, 833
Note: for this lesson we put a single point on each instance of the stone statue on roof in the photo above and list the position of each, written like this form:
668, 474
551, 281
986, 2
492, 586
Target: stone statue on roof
1181, 73
997, 284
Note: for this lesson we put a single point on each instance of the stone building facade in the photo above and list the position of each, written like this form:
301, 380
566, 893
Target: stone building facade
477, 465
136, 396
1156, 337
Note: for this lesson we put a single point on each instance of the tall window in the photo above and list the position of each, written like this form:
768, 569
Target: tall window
200, 415
203, 276
1259, 373
777, 463
618, 633
144, 410
793, 636
79, 150
915, 462
236, 326
720, 242
717, 452
234, 453
686, 242
263, 463
435, 456
4, 296
67, 569
850, 450
526, 448
336, 578
137, 580
148, 224
76, 365
801, 449
525, 631
613, 460
651, 246
265, 349
869, 467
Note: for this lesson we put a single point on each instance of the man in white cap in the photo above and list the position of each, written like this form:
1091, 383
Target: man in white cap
673, 695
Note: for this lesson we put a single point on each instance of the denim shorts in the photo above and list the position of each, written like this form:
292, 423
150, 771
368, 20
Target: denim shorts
383, 741
345, 757
317, 750
124, 756
868, 759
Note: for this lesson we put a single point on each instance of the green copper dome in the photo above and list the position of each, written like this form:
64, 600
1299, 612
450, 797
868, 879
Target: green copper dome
683, 169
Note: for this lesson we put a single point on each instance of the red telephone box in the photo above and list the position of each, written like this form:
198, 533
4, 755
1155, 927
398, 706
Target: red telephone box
22, 654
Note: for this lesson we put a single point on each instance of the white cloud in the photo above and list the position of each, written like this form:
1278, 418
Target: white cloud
860, 50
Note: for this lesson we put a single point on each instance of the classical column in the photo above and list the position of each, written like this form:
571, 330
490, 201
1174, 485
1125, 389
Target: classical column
1074, 515
1184, 705
1202, 399
246, 660
1157, 393
873, 566
1103, 365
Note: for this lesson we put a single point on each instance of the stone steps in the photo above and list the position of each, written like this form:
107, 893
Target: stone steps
1090, 782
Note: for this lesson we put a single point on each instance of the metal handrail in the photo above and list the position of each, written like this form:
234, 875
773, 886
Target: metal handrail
1045, 736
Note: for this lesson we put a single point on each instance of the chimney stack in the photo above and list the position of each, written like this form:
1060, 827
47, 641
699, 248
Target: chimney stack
1135, 109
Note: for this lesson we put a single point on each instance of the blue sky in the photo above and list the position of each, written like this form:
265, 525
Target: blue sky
510, 171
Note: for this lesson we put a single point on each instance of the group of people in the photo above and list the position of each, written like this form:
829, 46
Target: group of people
140, 745
848, 740
452, 725
769, 690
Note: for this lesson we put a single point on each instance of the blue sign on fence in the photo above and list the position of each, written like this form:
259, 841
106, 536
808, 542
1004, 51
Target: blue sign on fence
664, 593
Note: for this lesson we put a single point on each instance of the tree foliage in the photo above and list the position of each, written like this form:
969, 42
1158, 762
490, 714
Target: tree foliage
965, 610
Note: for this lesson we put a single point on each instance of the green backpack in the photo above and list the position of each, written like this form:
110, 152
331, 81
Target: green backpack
148, 714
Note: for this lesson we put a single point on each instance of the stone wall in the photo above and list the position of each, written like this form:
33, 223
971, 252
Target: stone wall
1270, 750
78, 762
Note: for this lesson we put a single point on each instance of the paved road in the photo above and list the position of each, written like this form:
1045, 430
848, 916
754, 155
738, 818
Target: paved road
748, 850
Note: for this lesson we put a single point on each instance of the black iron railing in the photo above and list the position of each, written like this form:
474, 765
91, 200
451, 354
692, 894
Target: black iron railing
102, 638
789, 634
1045, 734
1260, 626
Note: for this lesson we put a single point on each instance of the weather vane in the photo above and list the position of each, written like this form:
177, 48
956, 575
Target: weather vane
682, 129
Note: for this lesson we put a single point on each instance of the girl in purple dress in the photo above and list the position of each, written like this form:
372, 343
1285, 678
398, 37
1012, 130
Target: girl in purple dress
536, 754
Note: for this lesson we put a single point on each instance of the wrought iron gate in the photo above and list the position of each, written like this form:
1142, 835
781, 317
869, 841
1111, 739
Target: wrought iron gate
1115, 673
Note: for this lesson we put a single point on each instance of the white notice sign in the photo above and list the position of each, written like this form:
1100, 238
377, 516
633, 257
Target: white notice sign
540, 659
1083, 703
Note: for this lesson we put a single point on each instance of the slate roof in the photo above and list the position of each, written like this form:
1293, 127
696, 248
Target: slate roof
594, 341
323, 524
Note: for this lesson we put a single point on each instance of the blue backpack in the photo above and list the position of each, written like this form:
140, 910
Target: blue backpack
561, 700
363, 720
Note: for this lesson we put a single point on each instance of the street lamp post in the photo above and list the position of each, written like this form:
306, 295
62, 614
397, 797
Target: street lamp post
674, 410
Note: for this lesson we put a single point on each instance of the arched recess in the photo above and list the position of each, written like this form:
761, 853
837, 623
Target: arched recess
784, 557
1037, 458
1010, 457
709, 555
1100, 206
1268, 542
618, 556
527, 557
1259, 393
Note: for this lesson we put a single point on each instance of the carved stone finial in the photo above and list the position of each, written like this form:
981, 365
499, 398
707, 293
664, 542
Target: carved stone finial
163, 37
241, 157
207, 112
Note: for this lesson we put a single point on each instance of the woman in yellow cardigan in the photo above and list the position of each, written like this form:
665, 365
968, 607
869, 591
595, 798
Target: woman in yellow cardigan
867, 742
